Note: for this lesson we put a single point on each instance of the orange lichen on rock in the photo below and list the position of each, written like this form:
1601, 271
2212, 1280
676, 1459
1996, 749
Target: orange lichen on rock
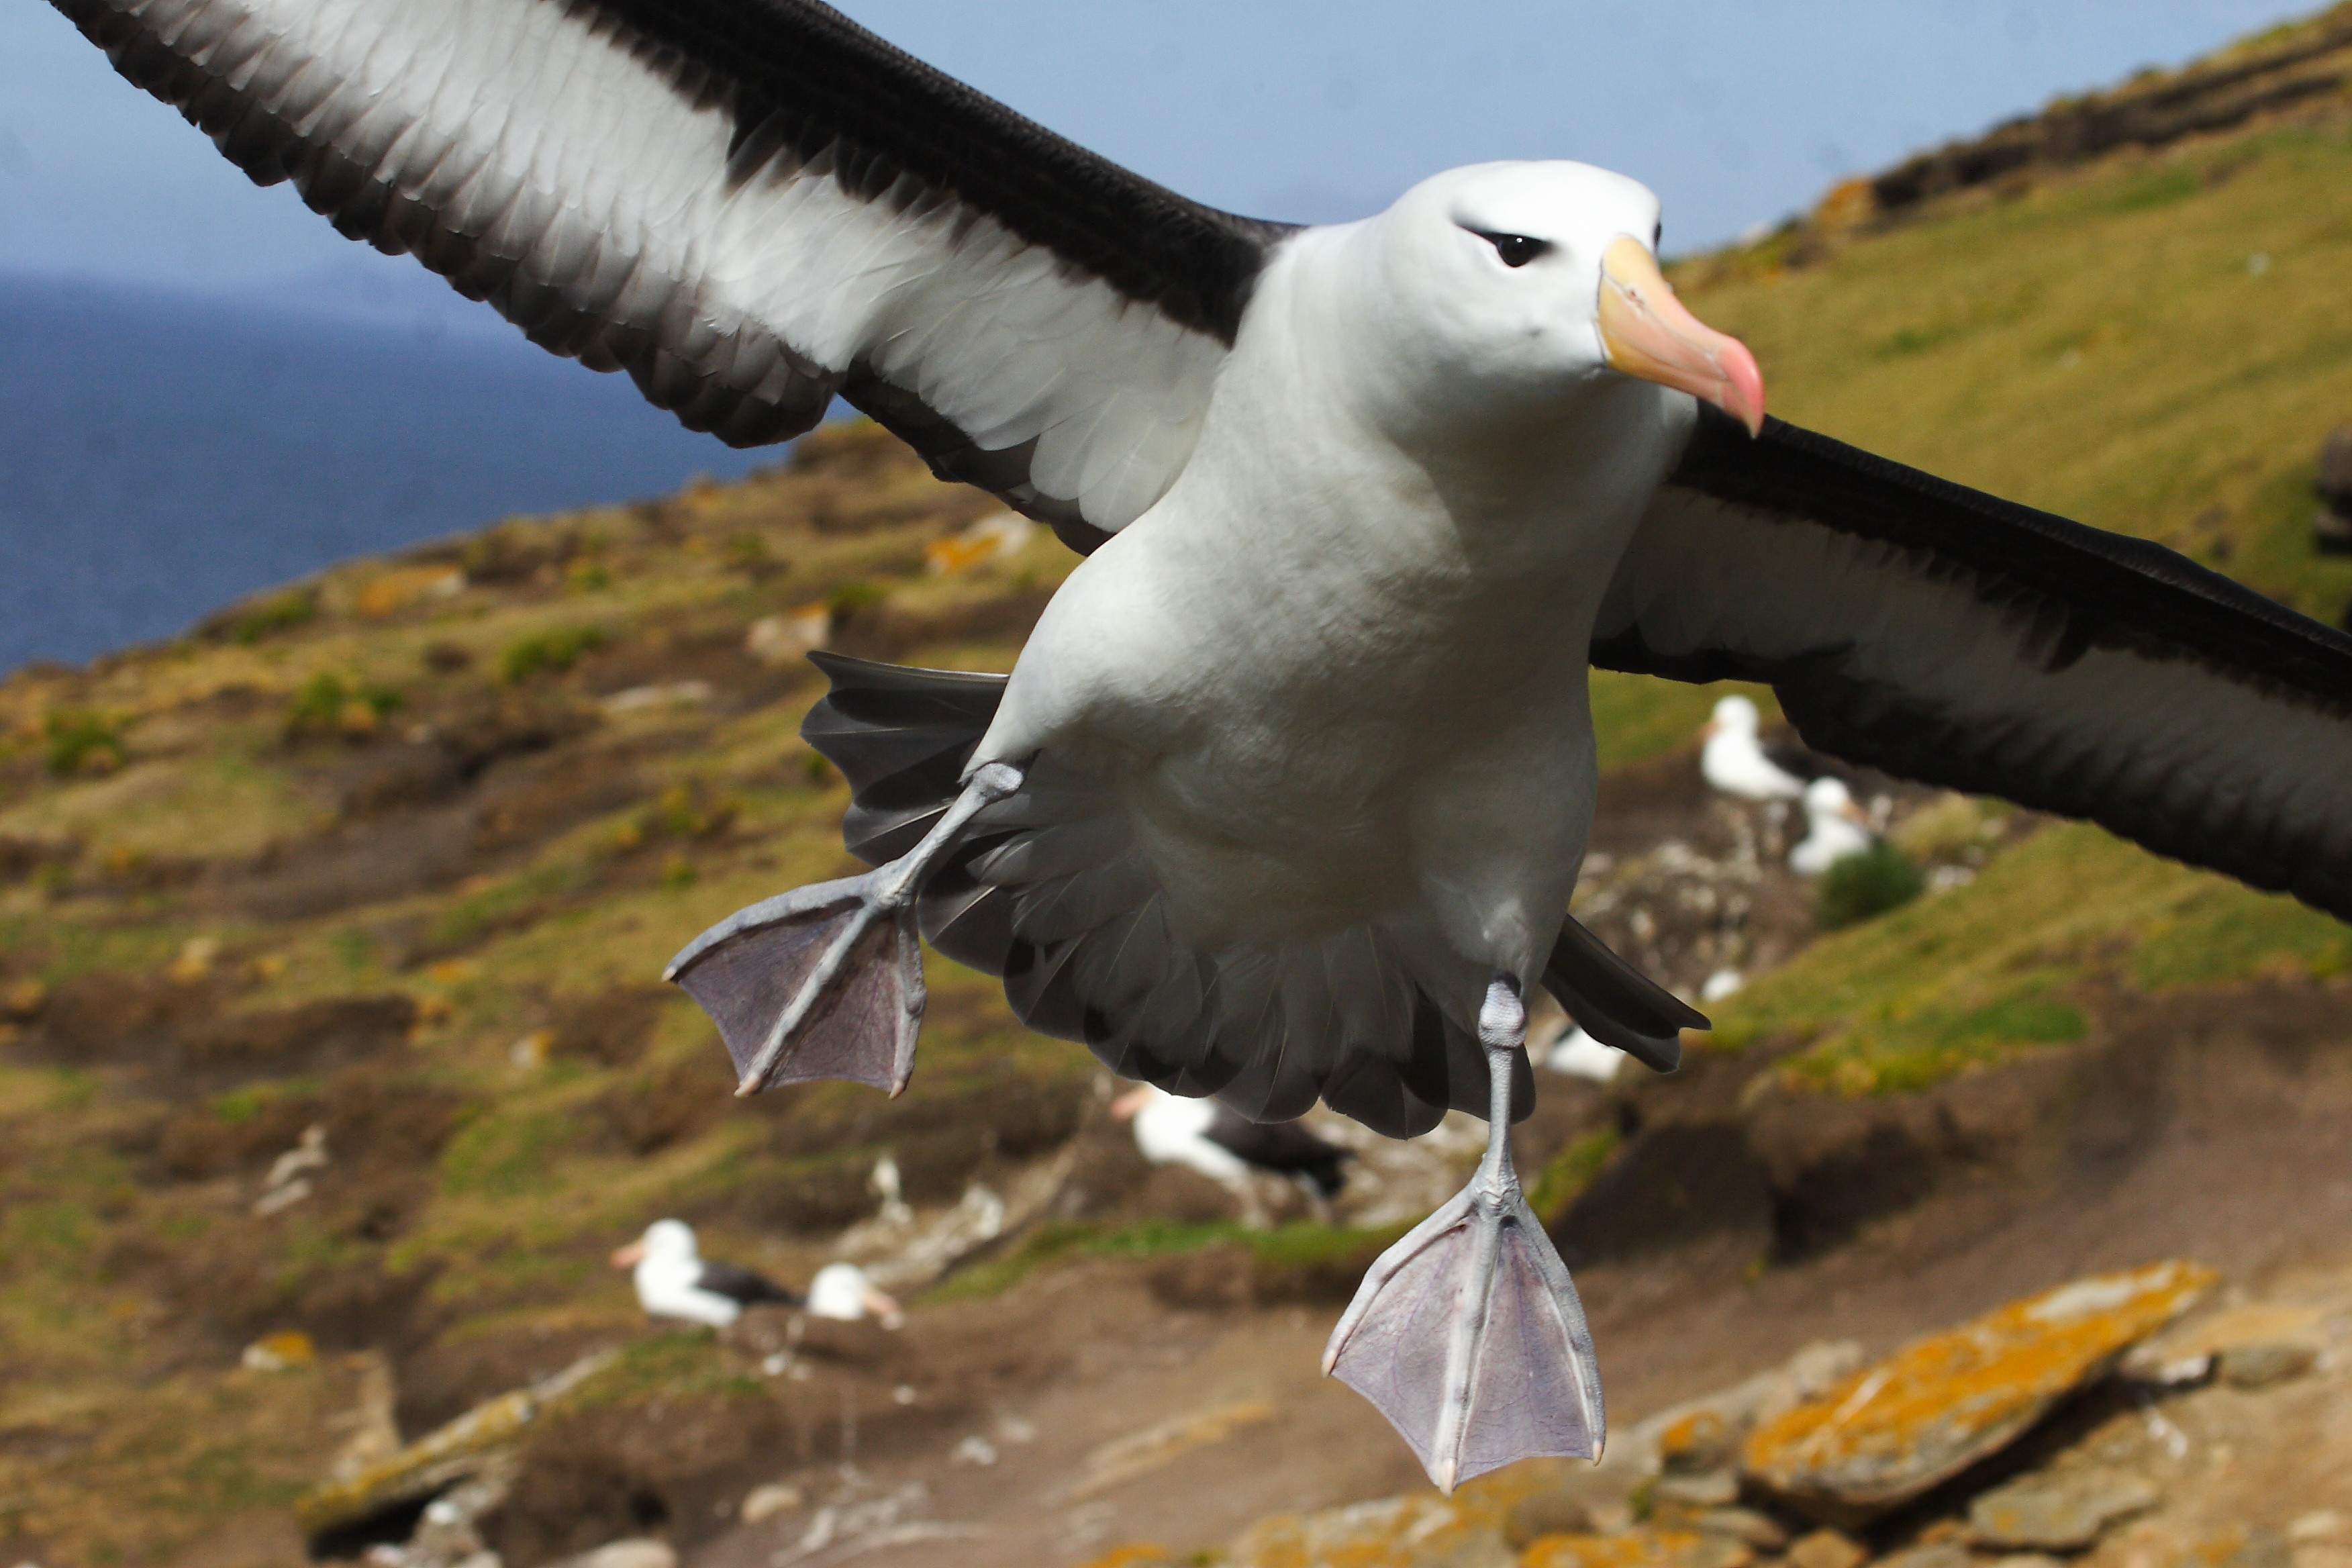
1894, 1430
1636, 1549
1417, 1532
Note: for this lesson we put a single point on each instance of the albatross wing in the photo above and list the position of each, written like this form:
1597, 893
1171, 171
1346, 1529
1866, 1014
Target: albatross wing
1942, 634
752, 206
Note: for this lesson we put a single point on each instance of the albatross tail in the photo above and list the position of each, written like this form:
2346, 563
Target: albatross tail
1046, 889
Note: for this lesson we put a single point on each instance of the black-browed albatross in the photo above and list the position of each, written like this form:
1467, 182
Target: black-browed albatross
1287, 794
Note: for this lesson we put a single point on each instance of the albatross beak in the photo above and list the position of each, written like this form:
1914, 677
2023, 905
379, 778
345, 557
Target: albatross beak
1646, 333
628, 1257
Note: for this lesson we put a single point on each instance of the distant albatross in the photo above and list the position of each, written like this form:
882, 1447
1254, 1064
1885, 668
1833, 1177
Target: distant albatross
1287, 792
673, 1279
1225, 1147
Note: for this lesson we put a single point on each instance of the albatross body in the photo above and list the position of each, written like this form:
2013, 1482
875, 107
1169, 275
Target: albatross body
1285, 797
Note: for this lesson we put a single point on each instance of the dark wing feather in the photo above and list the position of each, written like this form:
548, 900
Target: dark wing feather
1284, 1147
1042, 896
1911, 625
739, 1284
752, 206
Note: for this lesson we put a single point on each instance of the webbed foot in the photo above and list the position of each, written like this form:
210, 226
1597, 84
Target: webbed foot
826, 981
1467, 1334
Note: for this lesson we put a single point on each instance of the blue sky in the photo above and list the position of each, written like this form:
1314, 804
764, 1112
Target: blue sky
1736, 112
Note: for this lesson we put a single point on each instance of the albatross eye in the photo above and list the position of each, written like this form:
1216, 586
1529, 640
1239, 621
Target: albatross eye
1515, 250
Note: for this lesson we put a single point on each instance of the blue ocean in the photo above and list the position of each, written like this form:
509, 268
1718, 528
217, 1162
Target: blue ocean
163, 455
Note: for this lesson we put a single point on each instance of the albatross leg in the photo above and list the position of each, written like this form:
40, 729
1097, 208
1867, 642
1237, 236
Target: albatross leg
1467, 1334
826, 981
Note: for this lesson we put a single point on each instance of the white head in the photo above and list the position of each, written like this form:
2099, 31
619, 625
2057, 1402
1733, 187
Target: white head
1734, 715
664, 1242
1534, 282
1829, 797
842, 1291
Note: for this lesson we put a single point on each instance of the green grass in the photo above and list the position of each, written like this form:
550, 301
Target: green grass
1569, 1173
82, 741
550, 652
1986, 970
1860, 886
1277, 1257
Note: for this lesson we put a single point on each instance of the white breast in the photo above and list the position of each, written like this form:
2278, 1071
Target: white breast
667, 1289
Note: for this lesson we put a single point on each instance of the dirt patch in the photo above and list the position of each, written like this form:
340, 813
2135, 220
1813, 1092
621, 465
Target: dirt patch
610, 1028
649, 1110
313, 1037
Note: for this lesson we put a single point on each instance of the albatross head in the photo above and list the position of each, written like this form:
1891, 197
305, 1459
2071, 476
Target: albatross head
666, 1241
1540, 279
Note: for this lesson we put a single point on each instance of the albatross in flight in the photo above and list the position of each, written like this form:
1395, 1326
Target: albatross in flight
1286, 797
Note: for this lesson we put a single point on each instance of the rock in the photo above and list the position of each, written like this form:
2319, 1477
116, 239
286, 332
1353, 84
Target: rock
1717, 1488
767, 1501
1696, 1440
21, 1001
1928, 1554
1746, 1525
1133, 1555
642, 1551
2259, 1366
1418, 1531
1827, 1549
278, 1352
482, 1438
1889, 1432
1637, 1549
2058, 1511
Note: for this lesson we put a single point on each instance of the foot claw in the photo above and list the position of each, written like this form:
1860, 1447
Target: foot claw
823, 981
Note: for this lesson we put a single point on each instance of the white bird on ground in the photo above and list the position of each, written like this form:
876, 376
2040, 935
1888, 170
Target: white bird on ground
1207, 1137
674, 1280
1287, 794
1734, 759
1579, 1055
1835, 829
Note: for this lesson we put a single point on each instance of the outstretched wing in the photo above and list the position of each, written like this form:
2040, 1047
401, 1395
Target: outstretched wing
750, 205
1911, 625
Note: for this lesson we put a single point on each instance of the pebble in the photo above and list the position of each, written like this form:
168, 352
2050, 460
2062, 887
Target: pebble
642, 1551
2058, 1511
1929, 1554
2259, 1366
1717, 1488
769, 1501
1760, 1531
1827, 1549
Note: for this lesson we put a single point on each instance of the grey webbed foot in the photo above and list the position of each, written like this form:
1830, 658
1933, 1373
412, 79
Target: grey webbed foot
1467, 1334
826, 981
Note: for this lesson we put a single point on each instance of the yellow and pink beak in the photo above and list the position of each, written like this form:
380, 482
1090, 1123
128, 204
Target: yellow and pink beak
1646, 333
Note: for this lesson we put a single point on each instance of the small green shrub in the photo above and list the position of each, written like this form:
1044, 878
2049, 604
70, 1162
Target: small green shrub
82, 740
328, 704
278, 612
548, 653
1862, 886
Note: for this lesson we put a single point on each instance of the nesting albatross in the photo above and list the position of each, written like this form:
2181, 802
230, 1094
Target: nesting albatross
1286, 795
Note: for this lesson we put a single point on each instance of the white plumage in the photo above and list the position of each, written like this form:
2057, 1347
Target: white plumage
1732, 758
1173, 1129
668, 1272
1835, 829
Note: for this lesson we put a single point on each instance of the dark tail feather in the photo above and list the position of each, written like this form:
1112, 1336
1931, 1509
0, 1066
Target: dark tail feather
1615, 1002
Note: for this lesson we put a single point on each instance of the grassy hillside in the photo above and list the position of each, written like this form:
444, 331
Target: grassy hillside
2155, 345
399, 852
